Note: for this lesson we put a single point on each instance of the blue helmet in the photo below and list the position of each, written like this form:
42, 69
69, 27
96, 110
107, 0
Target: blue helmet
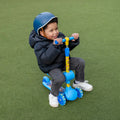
41, 20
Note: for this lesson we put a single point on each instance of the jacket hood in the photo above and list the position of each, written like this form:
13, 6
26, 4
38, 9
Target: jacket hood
34, 38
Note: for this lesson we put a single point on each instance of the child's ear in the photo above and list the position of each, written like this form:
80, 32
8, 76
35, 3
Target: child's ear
41, 33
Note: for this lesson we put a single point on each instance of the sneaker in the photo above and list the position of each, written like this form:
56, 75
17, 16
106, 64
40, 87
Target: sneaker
53, 100
83, 85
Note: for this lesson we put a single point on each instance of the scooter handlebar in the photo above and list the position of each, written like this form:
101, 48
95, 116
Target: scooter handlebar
63, 40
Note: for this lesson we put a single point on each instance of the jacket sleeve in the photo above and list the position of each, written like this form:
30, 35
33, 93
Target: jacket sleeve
73, 44
46, 55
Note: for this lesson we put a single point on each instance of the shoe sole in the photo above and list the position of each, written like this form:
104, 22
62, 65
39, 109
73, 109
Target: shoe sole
88, 90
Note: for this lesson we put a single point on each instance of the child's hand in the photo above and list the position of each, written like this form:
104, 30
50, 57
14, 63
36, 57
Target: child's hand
59, 40
75, 35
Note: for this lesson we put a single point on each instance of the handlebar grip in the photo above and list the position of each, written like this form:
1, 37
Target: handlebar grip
63, 40
71, 38
56, 42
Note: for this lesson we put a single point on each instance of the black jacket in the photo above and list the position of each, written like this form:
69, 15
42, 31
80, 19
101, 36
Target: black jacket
48, 55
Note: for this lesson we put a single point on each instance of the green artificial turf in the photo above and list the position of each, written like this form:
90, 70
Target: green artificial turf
22, 96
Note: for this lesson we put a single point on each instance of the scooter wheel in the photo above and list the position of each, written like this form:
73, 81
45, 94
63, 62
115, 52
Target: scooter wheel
79, 92
61, 99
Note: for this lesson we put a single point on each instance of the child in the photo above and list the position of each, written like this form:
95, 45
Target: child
51, 57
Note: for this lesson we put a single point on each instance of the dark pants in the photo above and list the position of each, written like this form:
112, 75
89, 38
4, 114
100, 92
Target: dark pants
58, 78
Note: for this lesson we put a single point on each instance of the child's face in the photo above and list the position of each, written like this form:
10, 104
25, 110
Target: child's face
51, 32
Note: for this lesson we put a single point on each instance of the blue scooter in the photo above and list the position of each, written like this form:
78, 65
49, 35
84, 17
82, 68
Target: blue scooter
67, 93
